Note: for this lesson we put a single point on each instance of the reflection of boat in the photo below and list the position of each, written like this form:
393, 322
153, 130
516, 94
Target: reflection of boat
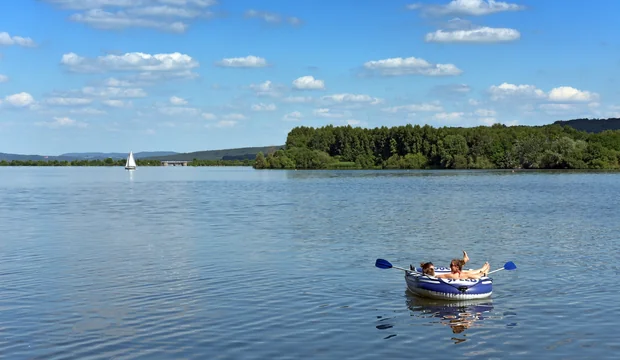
459, 315
131, 163
448, 289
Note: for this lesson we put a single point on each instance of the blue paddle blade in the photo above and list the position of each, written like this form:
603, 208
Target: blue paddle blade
383, 264
510, 266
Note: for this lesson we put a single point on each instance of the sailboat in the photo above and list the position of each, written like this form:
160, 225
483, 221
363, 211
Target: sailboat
131, 163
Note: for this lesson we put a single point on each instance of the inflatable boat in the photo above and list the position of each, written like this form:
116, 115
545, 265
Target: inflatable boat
448, 289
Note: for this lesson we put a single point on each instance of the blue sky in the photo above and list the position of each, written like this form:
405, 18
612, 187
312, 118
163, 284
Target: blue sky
190, 75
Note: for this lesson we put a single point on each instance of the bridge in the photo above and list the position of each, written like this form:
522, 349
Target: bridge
173, 163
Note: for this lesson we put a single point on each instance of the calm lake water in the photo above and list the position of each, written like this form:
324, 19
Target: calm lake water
234, 263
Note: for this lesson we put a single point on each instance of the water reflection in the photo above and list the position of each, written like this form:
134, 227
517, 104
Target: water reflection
458, 315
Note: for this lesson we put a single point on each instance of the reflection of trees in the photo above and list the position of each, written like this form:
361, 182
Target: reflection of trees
459, 315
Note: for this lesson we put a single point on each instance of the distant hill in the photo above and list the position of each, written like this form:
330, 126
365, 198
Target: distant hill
99, 155
83, 156
9, 157
591, 125
225, 154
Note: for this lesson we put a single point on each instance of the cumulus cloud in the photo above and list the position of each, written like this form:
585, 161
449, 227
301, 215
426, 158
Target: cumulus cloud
114, 92
424, 107
67, 101
567, 93
293, 116
327, 113
410, 66
479, 35
7, 40
507, 91
178, 110
135, 61
298, 99
308, 83
264, 107
271, 17
62, 122
164, 15
116, 103
175, 100
466, 7
485, 112
20, 100
352, 99
448, 116
249, 61
558, 94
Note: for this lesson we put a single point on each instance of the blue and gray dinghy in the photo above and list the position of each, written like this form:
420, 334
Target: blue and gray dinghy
446, 289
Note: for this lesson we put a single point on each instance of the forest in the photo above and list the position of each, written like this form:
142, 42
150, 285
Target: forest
121, 162
425, 147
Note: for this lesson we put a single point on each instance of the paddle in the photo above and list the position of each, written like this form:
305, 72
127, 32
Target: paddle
384, 264
507, 266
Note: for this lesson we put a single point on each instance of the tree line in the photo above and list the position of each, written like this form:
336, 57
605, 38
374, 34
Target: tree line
121, 162
425, 147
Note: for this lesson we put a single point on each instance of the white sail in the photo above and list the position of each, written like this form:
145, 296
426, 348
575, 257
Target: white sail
131, 163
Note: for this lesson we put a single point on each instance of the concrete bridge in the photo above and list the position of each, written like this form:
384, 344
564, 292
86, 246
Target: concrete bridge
173, 163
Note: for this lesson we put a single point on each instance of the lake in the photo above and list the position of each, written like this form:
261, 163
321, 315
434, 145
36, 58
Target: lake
235, 263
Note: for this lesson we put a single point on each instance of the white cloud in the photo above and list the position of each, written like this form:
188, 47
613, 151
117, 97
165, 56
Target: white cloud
293, 116
135, 61
222, 124
271, 17
486, 112
250, 61
479, 35
3, 78
410, 66
116, 103
93, 4
426, 107
352, 98
106, 20
488, 120
234, 116
113, 82
87, 111
326, 113
62, 122
175, 100
67, 101
6, 39
176, 111
558, 94
209, 116
114, 92
164, 15
20, 100
308, 83
467, 7
266, 88
298, 99
264, 107
567, 93
506, 90
448, 117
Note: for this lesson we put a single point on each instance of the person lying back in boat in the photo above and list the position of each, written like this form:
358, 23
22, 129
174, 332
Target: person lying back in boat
456, 270
429, 269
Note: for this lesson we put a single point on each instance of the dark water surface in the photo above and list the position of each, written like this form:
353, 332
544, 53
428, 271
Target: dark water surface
233, 263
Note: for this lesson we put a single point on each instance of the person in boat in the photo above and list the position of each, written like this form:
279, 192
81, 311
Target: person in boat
457, 272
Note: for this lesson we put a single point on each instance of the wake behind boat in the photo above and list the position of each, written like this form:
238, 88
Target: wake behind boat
130, 164
446, 289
